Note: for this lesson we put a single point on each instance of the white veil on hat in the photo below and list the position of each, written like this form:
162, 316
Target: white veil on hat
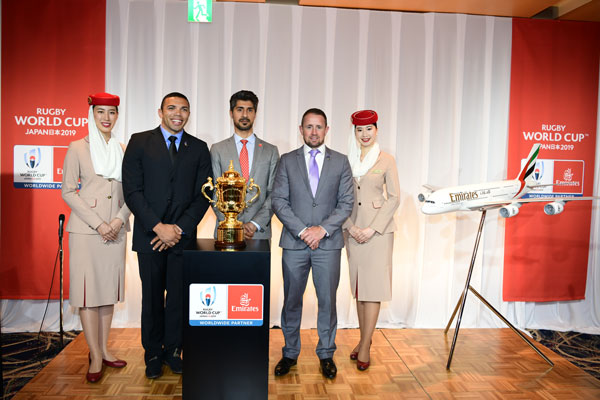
107, 158
360, 168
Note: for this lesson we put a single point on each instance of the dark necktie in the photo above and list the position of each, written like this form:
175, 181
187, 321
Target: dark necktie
172, 148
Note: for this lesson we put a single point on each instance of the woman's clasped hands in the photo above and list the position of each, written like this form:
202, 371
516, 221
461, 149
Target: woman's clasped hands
361, 235
110, 231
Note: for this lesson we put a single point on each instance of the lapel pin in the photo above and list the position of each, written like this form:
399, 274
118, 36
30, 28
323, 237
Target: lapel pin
185, 144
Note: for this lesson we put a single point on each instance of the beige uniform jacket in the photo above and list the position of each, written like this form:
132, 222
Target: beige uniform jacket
374, 205
99, 199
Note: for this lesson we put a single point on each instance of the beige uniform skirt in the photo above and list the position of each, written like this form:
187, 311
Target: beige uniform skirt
96, 270
370, 266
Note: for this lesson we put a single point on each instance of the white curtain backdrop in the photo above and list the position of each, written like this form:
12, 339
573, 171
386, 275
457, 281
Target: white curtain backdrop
440, 83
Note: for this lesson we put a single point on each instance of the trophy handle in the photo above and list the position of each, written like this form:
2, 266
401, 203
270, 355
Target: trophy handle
251, 186
209, 185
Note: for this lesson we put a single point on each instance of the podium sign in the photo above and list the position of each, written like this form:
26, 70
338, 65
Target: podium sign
226, 321
226, 304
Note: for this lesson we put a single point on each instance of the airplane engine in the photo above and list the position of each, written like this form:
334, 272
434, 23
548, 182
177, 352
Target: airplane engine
510, 210
421, 197
556, 207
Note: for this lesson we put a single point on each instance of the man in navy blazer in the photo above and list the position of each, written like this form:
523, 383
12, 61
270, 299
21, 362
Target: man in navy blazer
163, 173
312, 197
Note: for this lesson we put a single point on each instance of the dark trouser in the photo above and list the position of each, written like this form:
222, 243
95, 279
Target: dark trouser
161, 320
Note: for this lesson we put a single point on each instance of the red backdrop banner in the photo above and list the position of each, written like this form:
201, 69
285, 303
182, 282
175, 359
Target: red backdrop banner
53, 56
553, 101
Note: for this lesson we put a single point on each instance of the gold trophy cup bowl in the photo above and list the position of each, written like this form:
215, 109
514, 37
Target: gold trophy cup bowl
230, 190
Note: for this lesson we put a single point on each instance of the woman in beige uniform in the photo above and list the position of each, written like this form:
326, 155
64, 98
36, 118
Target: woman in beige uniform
369, 232
97, 225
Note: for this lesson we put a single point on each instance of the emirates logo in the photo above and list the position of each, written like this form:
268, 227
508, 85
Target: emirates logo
568, 175
245, 300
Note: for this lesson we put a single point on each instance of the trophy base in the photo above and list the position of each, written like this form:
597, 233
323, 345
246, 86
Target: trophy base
230, 238
229, 246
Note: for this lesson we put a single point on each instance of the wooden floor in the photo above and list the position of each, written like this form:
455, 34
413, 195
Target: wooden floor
405, 364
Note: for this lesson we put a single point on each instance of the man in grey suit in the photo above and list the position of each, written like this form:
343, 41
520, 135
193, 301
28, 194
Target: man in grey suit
312, 197
253, 158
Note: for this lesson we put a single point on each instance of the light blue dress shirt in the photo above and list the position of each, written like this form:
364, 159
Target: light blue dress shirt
167, 135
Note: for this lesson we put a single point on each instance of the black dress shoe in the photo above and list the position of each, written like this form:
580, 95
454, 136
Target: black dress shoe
173, 360
284, 365
328, 368
154, 368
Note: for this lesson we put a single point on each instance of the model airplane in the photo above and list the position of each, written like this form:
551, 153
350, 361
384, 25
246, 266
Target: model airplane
506, 195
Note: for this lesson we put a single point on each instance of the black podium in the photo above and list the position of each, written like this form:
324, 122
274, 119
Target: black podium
226, 321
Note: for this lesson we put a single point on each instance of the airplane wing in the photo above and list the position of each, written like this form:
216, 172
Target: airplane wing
491, 204
431, 188
545, 199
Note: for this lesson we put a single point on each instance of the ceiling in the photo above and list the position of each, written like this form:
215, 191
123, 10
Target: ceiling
577, 10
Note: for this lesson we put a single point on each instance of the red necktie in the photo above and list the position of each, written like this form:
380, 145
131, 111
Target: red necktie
244, 160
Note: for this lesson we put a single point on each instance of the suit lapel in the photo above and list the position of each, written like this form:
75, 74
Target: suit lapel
231, 154
302, 168
183, 150
163, 153
162, 146
325, 171
258, 151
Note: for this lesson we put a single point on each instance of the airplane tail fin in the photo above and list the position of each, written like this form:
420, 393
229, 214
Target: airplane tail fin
526, 174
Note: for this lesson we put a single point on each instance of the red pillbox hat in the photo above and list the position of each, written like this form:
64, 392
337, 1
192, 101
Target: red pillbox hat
364, 117
103, 99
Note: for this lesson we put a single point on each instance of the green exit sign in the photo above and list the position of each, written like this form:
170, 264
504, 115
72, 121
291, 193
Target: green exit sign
199, 10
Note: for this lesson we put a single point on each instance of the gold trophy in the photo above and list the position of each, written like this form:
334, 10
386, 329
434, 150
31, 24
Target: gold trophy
231, 191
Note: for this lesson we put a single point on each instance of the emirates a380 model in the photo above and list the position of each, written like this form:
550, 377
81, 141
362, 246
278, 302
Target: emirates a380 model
506, 195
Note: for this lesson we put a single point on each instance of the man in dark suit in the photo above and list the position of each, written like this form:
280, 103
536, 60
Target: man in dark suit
163, 172
312, 197
253, 158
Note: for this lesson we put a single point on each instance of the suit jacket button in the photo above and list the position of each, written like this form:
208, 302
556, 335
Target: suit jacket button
359, 204
314, 204
109, 197
110, 180
358, 187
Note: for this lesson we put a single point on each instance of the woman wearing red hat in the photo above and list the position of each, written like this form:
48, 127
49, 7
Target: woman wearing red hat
369, 232
97, 225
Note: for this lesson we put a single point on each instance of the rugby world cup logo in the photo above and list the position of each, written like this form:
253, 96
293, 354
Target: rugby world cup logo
538, 173
33, 157
208, 296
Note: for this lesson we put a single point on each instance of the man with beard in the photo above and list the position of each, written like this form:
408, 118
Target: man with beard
253, 158
313, 196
